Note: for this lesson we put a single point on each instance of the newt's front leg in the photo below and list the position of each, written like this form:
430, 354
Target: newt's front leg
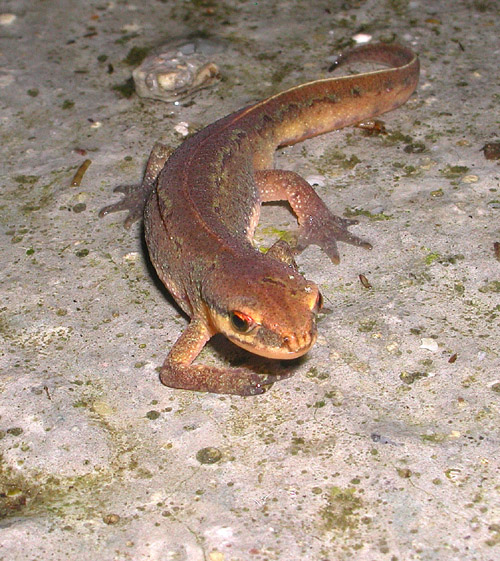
179, 372
317, 224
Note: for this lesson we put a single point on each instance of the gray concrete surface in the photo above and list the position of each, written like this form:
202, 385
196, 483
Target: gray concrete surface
380, 447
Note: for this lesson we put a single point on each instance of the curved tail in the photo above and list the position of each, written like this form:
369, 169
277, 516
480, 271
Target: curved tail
332, 103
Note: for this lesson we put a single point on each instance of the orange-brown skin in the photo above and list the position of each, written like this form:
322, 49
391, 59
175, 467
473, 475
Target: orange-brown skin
201, 207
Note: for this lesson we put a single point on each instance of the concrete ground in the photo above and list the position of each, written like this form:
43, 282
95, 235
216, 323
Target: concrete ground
385, 443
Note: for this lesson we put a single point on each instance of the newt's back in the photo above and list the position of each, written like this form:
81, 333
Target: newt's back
214, 169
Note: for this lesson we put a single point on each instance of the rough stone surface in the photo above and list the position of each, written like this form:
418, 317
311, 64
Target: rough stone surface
383, 446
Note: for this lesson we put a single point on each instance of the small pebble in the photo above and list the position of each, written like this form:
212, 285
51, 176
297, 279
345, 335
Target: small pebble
208, 455
180, 70
429, 344
470, 179
491, 150
111, 518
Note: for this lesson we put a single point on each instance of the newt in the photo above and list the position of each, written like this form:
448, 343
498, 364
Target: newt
201, 205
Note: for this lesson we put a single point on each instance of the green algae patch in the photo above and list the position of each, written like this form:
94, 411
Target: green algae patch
494, 539
298, 445
396, 137
415, 147
273, 231
68, 104
125, 89
350, 212
26, 179
288, 236
493, 286
409, 378
24, 494
136, 55
445, 260
454, 172
315, 374
431, 257
434, 438
334, 160
340, 512
367, 325
407, 170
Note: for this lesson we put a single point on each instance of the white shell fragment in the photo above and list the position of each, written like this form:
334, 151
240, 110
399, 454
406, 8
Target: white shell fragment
180, 70
429, 344
182, 128
7, 19
362, 38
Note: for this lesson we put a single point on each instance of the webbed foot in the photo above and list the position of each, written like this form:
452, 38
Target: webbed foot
317, 225
136, 196
325, 230
134, 201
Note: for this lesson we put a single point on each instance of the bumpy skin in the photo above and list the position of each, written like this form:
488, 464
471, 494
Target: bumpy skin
202, 203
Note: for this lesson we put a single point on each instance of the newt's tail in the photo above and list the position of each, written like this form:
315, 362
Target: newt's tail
396, 56
324, 105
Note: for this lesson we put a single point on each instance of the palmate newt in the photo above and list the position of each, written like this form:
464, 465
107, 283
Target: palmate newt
201, 205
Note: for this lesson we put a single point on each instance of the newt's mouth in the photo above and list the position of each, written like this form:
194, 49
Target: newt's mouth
291, 347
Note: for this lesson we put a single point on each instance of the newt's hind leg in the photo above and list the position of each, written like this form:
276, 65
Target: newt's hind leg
317, 225
136, 195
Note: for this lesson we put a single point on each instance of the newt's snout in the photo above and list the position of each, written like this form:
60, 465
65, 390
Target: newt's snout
299, 345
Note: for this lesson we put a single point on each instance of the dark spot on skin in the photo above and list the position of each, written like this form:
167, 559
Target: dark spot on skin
272, 281
334, 98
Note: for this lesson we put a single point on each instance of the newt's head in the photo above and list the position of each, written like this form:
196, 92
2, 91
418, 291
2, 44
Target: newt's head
267, 308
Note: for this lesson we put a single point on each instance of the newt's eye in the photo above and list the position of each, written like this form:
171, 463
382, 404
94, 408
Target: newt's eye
241, 322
